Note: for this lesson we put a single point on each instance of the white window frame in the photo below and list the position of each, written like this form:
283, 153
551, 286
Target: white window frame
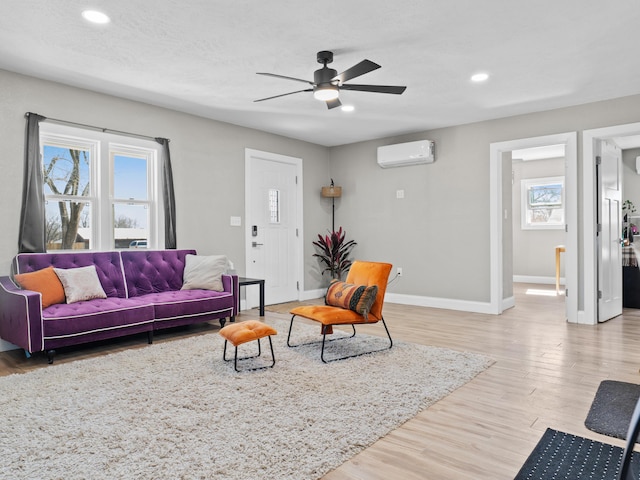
104, 146
525, 185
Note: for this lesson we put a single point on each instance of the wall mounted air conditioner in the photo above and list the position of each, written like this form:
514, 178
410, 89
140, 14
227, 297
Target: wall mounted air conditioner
410, 153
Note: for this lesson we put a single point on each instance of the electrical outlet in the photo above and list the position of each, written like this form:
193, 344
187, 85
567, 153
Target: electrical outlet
399, 272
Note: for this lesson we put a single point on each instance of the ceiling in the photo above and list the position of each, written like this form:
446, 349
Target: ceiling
201, 57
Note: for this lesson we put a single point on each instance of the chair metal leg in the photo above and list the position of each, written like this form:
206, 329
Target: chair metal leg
318, 341
324, 341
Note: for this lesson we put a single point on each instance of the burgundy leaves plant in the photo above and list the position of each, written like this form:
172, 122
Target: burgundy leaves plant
333, 252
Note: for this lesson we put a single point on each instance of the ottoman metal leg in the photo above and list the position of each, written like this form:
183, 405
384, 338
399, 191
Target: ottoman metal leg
235, 362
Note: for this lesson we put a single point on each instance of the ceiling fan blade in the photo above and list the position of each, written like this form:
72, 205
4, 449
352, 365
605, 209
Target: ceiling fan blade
285, 77
333, 103
374, 88
361, 68
284, 95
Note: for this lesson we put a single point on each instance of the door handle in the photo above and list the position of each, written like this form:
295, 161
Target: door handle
255, 244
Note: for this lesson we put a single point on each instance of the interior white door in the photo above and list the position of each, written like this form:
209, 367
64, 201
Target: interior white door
609, 180
272, 230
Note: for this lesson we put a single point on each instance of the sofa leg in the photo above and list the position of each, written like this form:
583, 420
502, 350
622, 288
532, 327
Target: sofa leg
27, 354
150, 337
50, 355
222, 322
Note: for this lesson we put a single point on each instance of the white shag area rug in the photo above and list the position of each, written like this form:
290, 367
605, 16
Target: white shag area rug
175, 410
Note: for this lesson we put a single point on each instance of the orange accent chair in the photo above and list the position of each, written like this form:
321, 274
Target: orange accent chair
361, 273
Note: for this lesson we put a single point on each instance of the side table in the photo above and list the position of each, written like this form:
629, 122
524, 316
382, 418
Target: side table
244, 281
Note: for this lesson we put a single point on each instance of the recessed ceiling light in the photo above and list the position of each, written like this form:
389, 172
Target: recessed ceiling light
94, 16
480, 77
348, 108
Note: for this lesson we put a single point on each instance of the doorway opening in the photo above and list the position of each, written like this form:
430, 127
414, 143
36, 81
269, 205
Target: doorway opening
538, 218
501, 219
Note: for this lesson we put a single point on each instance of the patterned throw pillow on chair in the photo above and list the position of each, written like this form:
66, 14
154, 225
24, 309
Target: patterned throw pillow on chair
353, 297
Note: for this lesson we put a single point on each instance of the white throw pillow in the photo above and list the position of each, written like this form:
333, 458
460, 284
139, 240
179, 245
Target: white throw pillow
80, 283
204, 272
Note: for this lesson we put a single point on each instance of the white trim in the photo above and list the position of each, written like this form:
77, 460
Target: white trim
509, 302
97, 330
188, 300
539, 280
497, 303
590, 254
198, 314
28, 316
433, 302
312, 294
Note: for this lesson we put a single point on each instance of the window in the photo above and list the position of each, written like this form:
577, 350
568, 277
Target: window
274, 206
543, 203
101, 190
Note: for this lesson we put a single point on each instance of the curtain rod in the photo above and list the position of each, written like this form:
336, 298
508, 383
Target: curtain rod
93, 127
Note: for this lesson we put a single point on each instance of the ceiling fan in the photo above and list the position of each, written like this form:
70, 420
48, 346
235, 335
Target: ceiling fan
327, 83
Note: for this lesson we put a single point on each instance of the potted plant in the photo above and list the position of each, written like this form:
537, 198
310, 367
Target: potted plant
333, 252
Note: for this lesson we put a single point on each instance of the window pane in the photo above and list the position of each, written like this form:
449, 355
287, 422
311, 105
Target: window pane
68, 225
545, 195
66, 171
131, 225
546, 216
542, 203
130, 177
274, 206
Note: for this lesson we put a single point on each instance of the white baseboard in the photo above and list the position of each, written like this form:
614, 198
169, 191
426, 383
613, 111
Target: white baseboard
534, 279
445, 303
508, 303
418, 301
311, 294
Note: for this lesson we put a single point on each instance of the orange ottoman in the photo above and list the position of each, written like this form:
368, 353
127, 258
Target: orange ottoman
243, 332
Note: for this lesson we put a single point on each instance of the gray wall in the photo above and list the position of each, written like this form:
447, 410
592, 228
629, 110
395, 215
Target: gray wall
534, 250
207, 157
439, 233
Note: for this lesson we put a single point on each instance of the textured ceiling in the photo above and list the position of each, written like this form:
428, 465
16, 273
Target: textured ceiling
201, 57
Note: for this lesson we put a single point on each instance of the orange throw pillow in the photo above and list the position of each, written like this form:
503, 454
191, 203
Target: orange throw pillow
44, 281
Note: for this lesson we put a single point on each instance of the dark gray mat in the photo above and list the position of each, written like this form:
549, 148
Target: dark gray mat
562, 456
612, 408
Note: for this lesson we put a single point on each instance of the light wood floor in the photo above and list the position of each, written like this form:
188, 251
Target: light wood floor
546, 373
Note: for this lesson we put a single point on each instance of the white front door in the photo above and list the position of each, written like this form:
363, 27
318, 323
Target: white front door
273, 203
609, 180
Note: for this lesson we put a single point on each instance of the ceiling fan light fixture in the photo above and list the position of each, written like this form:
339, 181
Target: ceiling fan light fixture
95, 16
480, 77
326, 93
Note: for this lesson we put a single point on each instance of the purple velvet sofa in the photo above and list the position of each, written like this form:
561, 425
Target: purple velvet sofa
143, 295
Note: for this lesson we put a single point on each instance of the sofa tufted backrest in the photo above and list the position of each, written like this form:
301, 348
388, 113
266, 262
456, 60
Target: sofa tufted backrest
108, 265
153, 271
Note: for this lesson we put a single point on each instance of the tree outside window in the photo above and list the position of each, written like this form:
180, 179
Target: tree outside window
542, 203
100, 190
67, 172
